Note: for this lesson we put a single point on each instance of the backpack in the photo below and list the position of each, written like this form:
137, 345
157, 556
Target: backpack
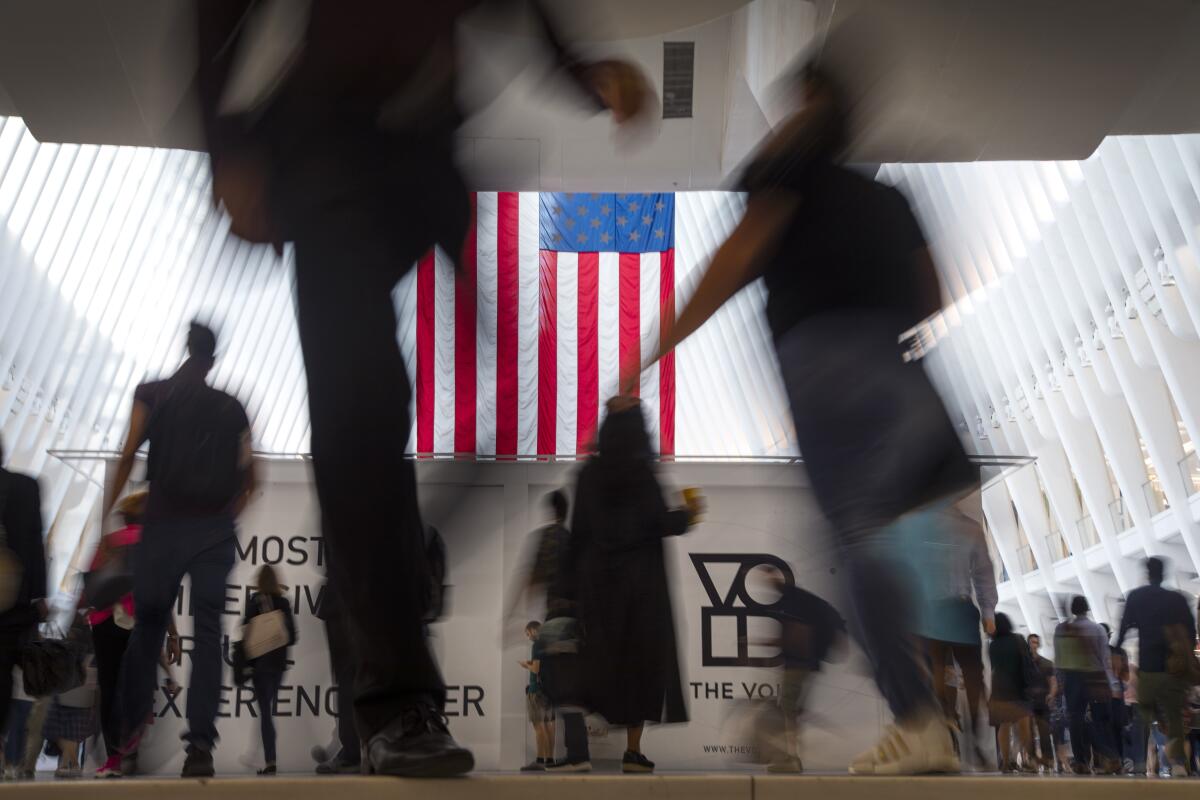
195, 448
435, 559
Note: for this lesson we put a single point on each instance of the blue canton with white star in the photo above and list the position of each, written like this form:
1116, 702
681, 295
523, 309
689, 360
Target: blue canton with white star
576, 222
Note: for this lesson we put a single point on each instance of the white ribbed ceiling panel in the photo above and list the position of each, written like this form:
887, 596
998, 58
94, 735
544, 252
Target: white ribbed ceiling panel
1072, 336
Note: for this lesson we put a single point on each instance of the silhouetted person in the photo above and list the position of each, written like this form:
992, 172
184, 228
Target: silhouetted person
1044, 690
631, 664
22, 572
201, 475
1164, 622
847, 271
1088, 684
270, 666
351, 157
1010, 709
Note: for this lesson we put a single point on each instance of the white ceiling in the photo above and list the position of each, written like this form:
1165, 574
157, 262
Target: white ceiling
948, 81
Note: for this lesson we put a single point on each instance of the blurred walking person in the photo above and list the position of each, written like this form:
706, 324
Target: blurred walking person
1013, 685
268, 668
1166, 635
345, 146
616, 561
201, 476
1043, 694
346, 759
847, 272
1088, 684
22, 573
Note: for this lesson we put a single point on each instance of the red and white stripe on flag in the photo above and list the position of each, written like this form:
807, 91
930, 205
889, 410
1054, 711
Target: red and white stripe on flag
518, 354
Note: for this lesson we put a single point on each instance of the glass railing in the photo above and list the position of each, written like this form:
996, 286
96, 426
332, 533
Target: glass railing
1155, 498
1119, 512
1056, 543
1189, 468
1026, 560
1087, 531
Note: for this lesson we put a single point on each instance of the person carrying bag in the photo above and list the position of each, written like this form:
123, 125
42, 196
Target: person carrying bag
270, 629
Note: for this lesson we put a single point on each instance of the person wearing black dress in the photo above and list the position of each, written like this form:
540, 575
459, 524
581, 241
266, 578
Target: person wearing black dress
630, 665
270, 666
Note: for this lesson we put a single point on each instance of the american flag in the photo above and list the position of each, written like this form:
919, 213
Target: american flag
560, 294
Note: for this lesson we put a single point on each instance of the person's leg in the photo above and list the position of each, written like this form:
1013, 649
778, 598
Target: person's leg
359, 398
1004, 745
575, 736
633, 738
1138, 733
157, 574
1104, 751
110, 642
1075, 694
8, 658
266, 690
1025, 738
970, 660
1041, 723
1172, 697
341, 659
208, 570
938, 654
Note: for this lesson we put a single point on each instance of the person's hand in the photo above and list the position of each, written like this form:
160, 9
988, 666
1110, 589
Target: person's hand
42, 609
240, 186
174, 650
989, 627
696, 504
621, 86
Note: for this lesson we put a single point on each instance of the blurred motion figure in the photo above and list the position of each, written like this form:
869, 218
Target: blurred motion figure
847, 272
331, 125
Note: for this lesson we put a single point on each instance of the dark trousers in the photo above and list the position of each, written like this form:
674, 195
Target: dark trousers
1137, 739
575, 737
347, 263
203, 549
877, 442
969, 658
110, 641
10, 640
1086, 693
341, 662
266, 691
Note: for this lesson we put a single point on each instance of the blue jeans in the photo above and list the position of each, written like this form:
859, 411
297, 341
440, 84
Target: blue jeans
876, 442
204, 549
266, 690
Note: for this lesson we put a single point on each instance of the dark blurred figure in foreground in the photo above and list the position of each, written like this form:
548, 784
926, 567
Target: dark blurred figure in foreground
22, 573
1010, 708
350, 156
201, 476
346, 759
616, 563
810, 631
1166, 635
1043, 693
1088, 684
847, 272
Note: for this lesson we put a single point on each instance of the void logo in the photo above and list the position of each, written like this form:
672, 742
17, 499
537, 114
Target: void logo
734, 602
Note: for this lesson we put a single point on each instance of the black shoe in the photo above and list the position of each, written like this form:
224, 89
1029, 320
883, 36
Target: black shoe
636, 762
198, 764
569, 766
417, 744
534, 766
339, 765
269, 769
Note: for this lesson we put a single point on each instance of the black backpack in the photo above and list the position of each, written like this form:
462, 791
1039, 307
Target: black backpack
195, 448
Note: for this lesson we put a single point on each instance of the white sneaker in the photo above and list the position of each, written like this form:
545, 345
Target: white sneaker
921, 750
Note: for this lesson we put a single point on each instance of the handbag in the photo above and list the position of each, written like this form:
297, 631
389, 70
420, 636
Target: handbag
265, 632
112, 580
51, 666
84, 695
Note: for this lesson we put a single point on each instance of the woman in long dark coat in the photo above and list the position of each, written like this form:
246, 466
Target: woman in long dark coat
631, 667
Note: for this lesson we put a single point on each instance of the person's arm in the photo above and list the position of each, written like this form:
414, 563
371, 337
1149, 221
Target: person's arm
134, 437
290, 619
1053, 682
174, 645
1128, 618
35, 559
249, 474
1104, 654
983, 578
736, 264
